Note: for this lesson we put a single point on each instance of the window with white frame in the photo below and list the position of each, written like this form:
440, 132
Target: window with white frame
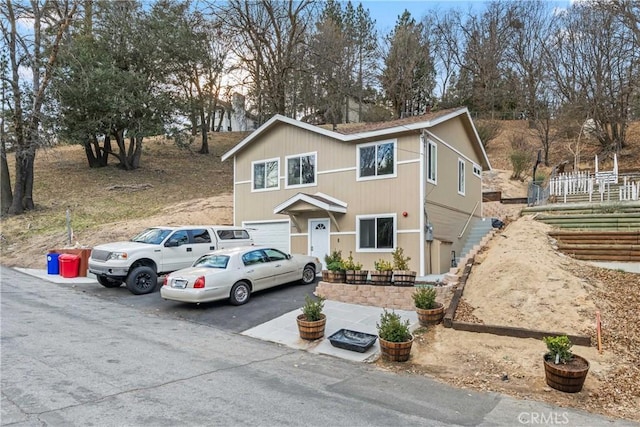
461, 176
301, 170
476, 170
432, 162
377, 160
265, 174
375, 232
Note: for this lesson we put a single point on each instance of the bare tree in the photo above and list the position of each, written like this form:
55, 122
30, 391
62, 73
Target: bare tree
38, 50
267, 36
594, 62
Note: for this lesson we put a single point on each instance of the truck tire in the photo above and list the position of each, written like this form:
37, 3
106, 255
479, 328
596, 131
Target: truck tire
107, 282
142, 280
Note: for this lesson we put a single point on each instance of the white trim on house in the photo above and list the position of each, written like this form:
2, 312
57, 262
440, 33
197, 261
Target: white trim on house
253, 177
376, 249
449, 146
432, 147
313, 154
381, 133
462, 176
477, 170
376, 144
318, 200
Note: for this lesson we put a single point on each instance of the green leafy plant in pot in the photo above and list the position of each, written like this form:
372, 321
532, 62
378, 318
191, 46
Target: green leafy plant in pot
430, 312
383, 272
402, 275
312, 321
335, 272
394, 336
563, 370
354, 273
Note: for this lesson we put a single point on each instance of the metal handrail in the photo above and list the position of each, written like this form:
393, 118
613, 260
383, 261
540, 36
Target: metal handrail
468, 220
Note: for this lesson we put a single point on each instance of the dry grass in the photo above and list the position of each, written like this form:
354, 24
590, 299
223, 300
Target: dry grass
94, 197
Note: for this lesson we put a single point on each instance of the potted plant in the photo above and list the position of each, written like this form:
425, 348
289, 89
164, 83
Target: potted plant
312, 321
354, 273
430, 312
402, 275
563, 370
383, 273
335, 272
394, 337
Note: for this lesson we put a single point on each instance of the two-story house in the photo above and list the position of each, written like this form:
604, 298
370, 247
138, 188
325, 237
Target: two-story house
366, 188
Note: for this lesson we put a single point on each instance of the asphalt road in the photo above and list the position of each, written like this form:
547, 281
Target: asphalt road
75, 357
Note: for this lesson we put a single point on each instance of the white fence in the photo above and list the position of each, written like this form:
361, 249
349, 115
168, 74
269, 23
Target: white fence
600, 182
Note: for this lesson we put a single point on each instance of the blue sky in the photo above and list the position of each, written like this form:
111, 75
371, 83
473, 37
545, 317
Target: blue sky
386, 12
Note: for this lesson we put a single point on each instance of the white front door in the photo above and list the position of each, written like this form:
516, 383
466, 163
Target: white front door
319, 239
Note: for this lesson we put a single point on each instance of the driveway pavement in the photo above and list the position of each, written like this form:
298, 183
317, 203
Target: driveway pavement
281, 327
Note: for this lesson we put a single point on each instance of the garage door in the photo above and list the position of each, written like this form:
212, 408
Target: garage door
270, 233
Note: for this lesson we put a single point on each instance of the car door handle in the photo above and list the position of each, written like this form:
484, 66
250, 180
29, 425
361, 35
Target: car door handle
250, 271
278, 265
189, 249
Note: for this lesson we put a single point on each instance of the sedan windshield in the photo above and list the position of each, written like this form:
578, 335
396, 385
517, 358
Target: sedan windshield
212, 261
154, 236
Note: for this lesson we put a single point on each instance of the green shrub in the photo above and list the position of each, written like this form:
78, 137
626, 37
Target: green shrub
350, 264
488, 130
559, 345
400, 262
382, 265
392, 328
312, 309
520, 162
334, 261
425, 298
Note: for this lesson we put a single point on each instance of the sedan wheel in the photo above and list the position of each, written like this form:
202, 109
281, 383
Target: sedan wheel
142, 280
308, 275
240, 293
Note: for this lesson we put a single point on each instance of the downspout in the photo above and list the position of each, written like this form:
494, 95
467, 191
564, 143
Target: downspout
423, 202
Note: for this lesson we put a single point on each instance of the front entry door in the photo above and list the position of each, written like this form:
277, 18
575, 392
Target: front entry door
319, 239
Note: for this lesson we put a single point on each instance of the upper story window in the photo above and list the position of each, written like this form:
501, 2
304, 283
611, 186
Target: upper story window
265, 174
461, 177
432, 162
301, 170
377, 160
476, 170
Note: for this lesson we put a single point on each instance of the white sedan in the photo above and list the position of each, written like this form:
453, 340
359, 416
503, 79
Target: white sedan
235, 273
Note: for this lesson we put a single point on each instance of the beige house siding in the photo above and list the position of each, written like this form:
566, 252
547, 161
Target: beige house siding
337, 178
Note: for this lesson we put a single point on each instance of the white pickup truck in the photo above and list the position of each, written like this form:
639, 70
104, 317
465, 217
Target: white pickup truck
159, 250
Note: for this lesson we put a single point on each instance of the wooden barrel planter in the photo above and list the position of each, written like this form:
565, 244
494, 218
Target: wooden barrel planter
333, 276
404, 278
395, 351
311, 330
357, 277
381, 278
568, 377
430, 316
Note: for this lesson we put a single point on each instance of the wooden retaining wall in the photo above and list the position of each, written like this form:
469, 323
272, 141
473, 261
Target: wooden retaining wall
450, 322
599, 245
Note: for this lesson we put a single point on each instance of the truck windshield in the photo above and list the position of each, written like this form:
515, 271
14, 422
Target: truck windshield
212, 261
154, 236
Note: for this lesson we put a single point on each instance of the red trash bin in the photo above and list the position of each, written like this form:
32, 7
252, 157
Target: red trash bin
69, 265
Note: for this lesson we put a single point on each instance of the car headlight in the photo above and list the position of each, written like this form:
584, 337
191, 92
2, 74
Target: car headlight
117, 255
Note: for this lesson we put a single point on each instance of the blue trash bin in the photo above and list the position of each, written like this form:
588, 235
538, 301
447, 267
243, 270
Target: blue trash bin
53, 266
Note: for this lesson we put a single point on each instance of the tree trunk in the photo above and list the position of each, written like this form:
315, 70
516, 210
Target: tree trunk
204, 126
5, 186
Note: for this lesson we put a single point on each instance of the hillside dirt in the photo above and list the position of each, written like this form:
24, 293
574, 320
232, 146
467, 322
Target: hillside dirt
518, 279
